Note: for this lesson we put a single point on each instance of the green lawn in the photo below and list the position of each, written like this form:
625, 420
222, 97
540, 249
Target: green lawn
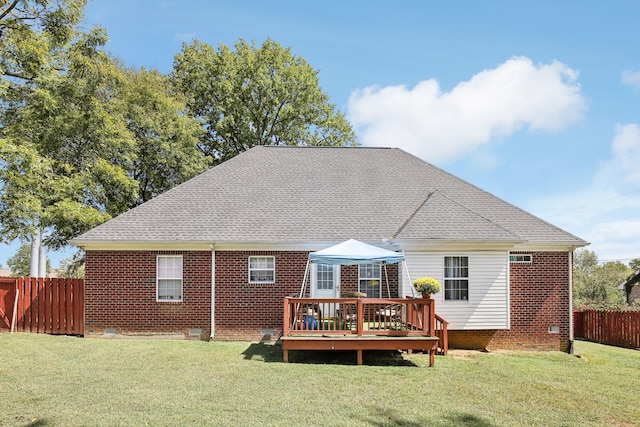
66, 381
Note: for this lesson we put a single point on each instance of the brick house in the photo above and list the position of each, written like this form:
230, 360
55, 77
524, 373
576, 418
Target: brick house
216, 255
631, 286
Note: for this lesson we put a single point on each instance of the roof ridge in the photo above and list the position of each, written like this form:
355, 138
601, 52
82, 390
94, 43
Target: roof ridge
413, 214
480, 215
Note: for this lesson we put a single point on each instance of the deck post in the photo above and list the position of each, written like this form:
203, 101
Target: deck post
360, 316
286, 317
432, 317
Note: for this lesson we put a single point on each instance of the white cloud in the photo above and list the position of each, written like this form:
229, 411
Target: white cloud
631, 78
442, 126
621, 170
604, 212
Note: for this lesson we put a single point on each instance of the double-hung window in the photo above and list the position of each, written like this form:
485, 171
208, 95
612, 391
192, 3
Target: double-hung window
169, 278
262, 269
456, 278
369, 278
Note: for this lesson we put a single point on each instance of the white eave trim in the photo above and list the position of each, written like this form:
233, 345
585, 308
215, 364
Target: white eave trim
455, 245
548, 247
147, 246
397, 244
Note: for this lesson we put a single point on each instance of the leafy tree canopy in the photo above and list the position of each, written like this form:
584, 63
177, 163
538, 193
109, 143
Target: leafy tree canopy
596, 285
256, 96
82, 139
20, 263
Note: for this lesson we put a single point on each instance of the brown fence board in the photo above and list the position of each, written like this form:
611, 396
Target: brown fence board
621, 329
46, 305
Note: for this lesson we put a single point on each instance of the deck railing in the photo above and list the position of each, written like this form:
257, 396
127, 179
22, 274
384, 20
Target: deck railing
363, 316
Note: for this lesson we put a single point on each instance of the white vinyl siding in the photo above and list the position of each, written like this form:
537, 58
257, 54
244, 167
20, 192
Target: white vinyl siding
488, 303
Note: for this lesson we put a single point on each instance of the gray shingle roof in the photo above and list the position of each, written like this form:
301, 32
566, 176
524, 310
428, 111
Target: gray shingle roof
304, 194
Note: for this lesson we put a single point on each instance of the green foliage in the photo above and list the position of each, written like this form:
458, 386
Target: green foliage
72, 267
256, 96
20, 262
634, 264
166, 139
427, 285
81, 138
596, 285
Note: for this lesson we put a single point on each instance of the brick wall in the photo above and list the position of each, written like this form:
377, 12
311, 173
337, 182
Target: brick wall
120, 293
539, 300
249, 311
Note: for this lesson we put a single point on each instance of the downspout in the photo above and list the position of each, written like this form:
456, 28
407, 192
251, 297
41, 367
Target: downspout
570, 350
213, 291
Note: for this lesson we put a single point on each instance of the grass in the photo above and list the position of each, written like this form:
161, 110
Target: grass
66, 381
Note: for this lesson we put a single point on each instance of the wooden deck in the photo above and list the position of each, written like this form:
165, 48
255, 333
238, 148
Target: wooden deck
362, 324
359, 343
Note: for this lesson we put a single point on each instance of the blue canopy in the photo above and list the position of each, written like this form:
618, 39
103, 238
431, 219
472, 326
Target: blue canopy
354, 252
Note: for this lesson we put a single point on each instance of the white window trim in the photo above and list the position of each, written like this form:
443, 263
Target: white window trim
249, 270
158, 278
445, 278
379, 278
525, 258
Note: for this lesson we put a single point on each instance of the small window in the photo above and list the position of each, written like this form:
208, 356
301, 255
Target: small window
262, 269
520, 258
169, 278
369, 280
456, 278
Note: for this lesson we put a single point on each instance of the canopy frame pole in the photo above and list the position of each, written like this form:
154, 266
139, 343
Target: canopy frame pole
304, 280
406, 269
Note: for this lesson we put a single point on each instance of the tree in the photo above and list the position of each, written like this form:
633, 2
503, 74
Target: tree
166, 139
81, 138
72, 267
37, 40
634, 264
20, 262
256, 96
595, 285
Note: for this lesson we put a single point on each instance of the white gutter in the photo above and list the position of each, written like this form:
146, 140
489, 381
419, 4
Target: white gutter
571, 302
213, 291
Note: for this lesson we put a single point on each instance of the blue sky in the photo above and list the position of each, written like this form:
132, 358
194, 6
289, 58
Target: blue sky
536, 102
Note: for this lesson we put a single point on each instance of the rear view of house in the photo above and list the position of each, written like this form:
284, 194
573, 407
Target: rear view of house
216, 256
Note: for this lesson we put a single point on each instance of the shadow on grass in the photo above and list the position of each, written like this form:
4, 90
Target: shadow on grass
270, 352
391, 417
349, 357
263, 350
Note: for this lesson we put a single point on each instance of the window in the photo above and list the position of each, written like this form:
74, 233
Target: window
262, 269
521, 258
369, 280
456, 278
324, 276
169, 278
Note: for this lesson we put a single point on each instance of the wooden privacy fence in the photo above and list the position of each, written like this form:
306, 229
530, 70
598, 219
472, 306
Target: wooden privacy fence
621, 328
42, 305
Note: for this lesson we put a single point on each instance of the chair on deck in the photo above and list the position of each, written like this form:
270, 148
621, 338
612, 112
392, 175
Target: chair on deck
348, 313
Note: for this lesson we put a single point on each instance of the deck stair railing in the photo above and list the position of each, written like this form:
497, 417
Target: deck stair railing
363, 316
